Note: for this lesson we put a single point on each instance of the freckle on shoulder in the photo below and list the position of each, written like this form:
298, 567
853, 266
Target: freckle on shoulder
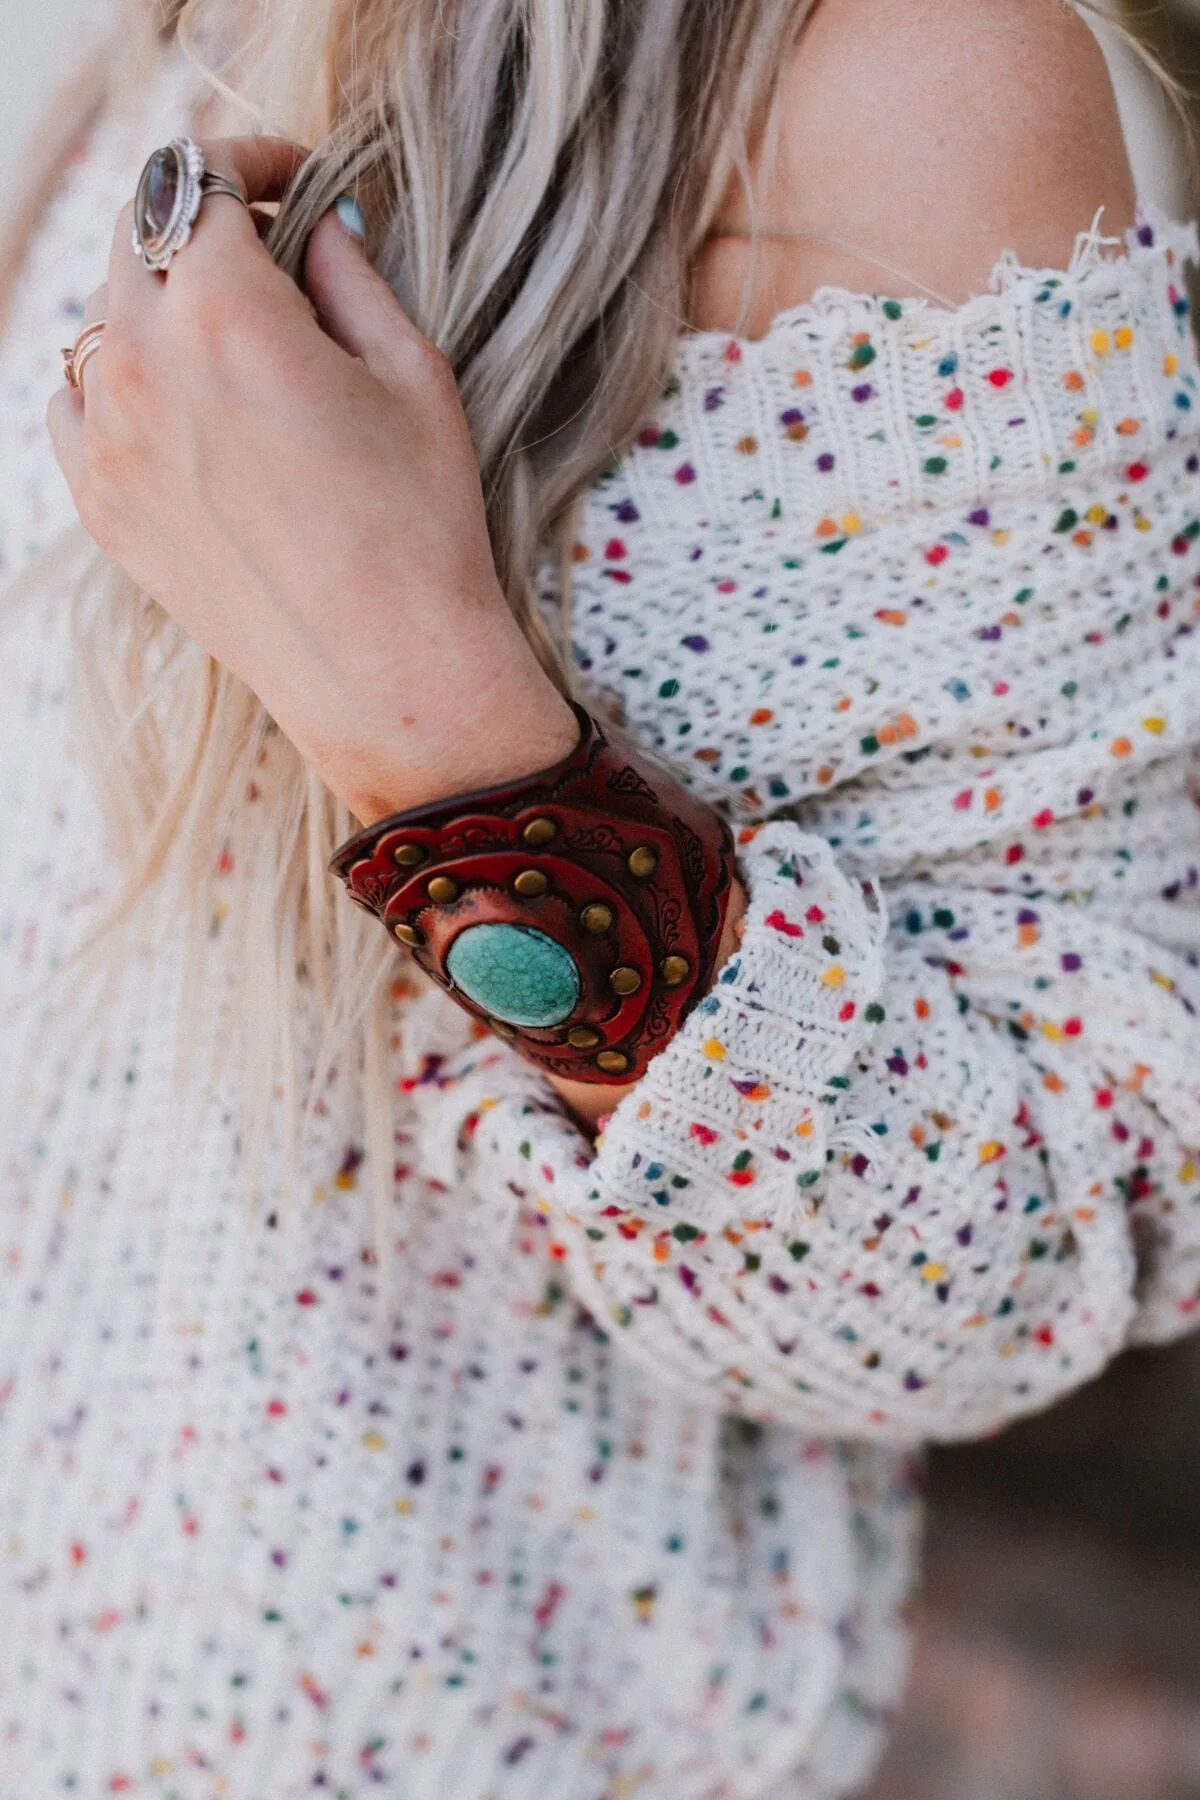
938, 133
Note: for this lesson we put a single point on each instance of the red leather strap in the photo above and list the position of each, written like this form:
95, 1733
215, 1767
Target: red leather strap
606, 854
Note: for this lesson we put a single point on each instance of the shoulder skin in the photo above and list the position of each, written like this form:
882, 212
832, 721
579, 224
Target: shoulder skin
930, 135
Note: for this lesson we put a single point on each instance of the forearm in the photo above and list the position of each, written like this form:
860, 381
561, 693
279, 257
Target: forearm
577, 912
847, 1196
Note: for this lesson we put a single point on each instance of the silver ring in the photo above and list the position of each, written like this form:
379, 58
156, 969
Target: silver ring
170, 189
223, 184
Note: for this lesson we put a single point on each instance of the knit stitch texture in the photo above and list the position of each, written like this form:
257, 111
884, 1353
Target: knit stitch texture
621, 1501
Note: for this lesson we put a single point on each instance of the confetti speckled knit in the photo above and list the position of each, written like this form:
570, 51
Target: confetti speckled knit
620, 1503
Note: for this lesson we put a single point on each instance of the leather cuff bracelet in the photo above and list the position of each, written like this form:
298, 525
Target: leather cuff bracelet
578, 912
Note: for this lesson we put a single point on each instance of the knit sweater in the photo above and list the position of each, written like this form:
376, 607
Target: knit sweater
619, 1500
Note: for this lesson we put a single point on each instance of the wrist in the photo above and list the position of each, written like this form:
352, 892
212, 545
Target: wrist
590, 1102
577, 912
497, 727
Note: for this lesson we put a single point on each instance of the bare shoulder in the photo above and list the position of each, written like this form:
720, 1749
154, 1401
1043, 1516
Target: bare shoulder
932, 135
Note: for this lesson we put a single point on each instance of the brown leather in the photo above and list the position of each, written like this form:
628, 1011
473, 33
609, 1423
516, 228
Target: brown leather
606, 804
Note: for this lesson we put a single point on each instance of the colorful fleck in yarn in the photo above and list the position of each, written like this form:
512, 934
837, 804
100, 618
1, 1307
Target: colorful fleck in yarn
913, 595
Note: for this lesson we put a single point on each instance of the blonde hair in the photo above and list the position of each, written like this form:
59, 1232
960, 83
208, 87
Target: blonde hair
538, 176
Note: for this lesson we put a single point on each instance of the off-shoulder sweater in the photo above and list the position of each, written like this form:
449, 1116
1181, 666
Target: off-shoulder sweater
620, 1500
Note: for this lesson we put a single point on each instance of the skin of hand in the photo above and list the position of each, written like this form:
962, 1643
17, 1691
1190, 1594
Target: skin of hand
293, 480
296, 485
357, 595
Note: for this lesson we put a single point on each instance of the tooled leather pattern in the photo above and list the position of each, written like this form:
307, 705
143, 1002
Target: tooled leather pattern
605, 802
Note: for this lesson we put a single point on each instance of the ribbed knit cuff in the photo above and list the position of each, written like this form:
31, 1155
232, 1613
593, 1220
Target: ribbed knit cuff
752, 1098
742, 1111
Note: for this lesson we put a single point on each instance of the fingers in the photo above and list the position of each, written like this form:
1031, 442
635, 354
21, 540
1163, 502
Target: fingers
64, 421
132, 288
262, 167
210, 278
356, 307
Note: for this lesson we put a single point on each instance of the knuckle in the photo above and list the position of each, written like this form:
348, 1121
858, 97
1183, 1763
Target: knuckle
121, 365
113, 438
106, 455
432, 368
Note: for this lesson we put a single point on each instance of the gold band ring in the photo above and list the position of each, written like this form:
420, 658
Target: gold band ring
85, 345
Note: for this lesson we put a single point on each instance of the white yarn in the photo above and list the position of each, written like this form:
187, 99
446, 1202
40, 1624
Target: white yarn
520, 1549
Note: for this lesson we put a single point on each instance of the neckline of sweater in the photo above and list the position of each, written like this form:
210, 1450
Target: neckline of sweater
1155, 237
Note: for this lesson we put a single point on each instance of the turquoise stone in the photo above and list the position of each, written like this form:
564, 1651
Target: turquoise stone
516, 974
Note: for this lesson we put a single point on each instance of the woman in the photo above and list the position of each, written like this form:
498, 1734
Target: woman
590, 1475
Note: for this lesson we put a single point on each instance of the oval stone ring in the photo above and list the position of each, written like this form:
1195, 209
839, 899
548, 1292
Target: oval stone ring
170, 190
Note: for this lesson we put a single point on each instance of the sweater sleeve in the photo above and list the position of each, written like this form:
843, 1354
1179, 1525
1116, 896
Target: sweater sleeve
903, 1181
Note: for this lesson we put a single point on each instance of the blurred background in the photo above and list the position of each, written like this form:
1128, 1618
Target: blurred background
1059, 1631
37, 42
1058, 1635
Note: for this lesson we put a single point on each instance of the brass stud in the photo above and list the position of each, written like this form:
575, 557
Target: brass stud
539, 832
674, 970
408, 934
613, 1062
643, 861
502, 1028
442, 890
582, 1037
530, 883
409, 856
624, 981
596, 918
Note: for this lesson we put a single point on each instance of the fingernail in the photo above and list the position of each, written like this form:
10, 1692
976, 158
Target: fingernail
350, 213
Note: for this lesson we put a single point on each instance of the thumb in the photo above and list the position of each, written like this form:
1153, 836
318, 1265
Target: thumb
354, 304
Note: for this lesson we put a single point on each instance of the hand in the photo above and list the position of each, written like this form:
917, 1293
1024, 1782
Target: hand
298, 489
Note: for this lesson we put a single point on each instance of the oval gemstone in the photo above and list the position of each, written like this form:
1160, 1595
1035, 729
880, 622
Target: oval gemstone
163, 177
515, 973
